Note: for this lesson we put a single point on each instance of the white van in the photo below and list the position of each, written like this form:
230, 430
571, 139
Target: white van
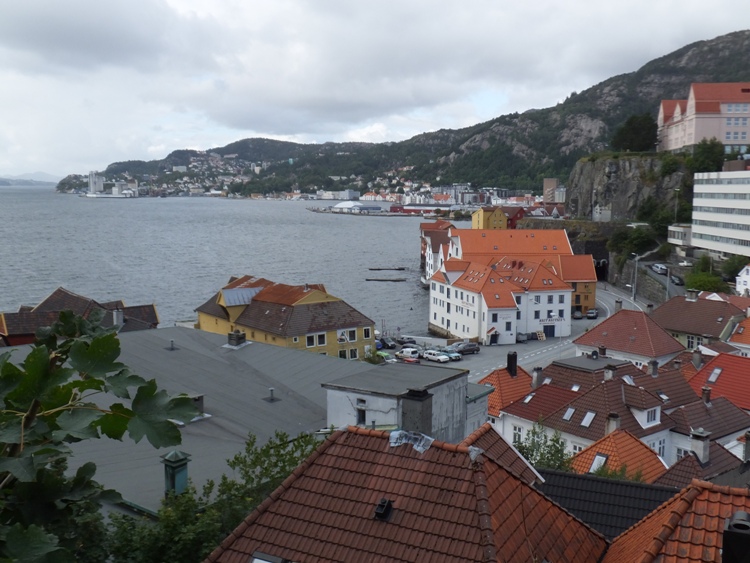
405, 353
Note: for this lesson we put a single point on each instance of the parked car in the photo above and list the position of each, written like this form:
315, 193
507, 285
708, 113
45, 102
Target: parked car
677, 280
386, 357
466, 348
660, 269
435, 356
686, 264
403, 340
405, 353
388, 342
592, 313
577, 315
451, 353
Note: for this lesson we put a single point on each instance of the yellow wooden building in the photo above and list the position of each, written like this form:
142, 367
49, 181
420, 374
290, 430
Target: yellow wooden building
303, 317
489, 218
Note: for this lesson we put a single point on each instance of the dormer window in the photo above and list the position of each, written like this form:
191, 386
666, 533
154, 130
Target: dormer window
651, 416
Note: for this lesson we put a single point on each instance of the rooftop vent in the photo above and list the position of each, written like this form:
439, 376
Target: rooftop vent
236, 338
736, 544
383, 510
271, 398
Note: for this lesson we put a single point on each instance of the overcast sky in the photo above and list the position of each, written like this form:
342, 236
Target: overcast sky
89, 82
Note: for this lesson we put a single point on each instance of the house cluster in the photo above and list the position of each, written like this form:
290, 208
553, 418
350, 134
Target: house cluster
494, 285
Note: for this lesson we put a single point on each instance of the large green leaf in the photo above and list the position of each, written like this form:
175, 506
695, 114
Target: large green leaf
32, 545
97, 358
153, 411
119, 383
115, 423
22, 468
77, 424
10, 376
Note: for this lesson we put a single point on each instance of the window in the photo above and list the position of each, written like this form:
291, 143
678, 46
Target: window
690, 341
442, 289
518, 315
366, 332
322, 339
577, 448
508, 326
561, 313
295, 339
342, 354
588, 419
651, 416
561, 298
549, 313
550, 299
448, 293
681, 453
518, 299
353, 354
537, 299
536, 314
433, 286
494, 317
599, 461
517, 434
661, 448
361, 417
352, 335
569, 413
310, 340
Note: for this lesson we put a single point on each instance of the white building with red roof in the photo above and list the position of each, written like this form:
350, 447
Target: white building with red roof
712, 110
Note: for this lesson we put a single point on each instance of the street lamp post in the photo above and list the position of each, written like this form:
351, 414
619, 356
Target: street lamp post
635, 274
669, 273
676, 199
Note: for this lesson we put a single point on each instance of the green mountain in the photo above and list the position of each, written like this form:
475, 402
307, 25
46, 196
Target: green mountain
512, 151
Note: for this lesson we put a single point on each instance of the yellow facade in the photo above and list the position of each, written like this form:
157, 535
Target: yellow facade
489, 218
584, 296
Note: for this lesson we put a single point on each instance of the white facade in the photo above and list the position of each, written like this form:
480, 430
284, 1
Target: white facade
721, 212
742, 281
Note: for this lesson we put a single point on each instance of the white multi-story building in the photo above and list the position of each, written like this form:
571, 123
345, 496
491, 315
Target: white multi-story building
721, 212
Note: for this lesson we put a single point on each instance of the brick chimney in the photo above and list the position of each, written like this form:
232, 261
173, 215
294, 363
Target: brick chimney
512, 364
699, 443
613, 422
602, 351
536, 374
706, 395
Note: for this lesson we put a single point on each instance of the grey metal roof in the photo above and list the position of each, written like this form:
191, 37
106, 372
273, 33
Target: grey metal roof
588, 363
396, 379
234, 383
240, 296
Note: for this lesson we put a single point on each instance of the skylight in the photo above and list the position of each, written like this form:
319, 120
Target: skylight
569, 413
664, 397
599, 460
714, 375
628, 379
547, 381
587, 419
575, 387
528, 398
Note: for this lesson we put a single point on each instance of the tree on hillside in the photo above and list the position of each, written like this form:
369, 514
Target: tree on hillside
542, 450
705, 281
637, 134
48, 402
732, 266
189, 526
708, 156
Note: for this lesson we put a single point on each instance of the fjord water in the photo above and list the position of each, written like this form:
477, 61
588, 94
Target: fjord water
177, 252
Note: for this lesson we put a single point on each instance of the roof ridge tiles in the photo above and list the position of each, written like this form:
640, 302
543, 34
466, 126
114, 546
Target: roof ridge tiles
486, 531
474, 436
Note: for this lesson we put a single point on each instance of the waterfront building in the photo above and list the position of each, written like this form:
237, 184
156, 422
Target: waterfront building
491, 217
303, 317
712, 110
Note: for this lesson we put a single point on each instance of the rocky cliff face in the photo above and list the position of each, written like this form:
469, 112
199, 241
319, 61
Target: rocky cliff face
614, 188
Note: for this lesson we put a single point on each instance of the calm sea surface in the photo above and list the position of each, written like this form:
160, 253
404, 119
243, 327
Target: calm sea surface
177, 252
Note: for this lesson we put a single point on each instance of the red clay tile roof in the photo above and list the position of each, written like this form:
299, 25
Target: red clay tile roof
703, 317
495, 290
496, 448
631, 332
543, 400
731, 382
507, 388
529, 275
622, 449
578, 268
503, 241
438, 225
688, 528
741, 334
449, 504
720, 417
721, 91
689, 467
612, 396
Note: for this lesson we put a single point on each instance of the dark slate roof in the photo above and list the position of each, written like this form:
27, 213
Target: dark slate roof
703, 317
63, 300
670, 386
737, 477
584, 371
607, 505
27, 322
212, 307
301, 319
449, 504
689, 467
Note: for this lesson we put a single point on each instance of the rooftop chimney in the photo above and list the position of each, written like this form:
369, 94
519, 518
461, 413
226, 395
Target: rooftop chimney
692, 295
613, 422
746, 452
697, 358
706, 395
609, 372
700, 443
649, 308
654, 368
736, 539
236, 338
118, 317
602, 351
677, 364
536, 374
512, 363
175, 472
618, 305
